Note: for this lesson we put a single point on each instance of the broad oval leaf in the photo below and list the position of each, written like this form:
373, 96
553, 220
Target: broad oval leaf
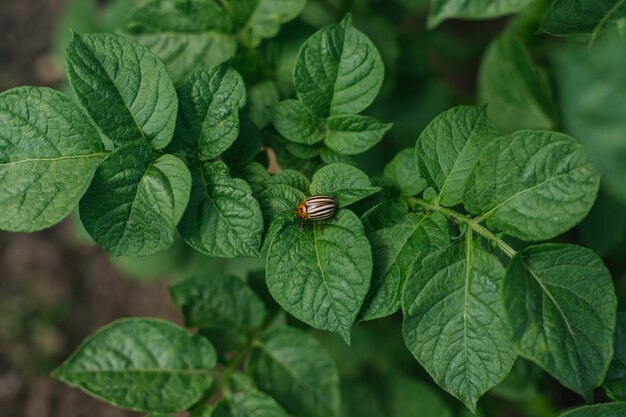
131, 208
248, 403
142, 364
124, 87
352, 134
48, 155
210, 101
279, 199
297, 123
441, 10
598, 410
615, 381
454, 321
602, 19
396, 251
533, 185
338, 70
321, 277
266, 18
223, 218
561, 304
448, 149
295, 369
345, 183
402, 172
516, 91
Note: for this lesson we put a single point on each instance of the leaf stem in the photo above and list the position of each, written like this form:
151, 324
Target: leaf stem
473, 224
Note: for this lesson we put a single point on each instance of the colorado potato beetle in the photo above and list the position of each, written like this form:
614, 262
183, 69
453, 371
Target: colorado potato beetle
317, 207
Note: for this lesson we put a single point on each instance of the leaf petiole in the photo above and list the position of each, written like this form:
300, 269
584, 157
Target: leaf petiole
473, 224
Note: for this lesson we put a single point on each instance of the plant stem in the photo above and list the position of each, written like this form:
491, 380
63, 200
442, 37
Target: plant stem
459, 218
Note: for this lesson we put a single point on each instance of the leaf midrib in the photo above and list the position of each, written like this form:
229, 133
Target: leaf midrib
604, 20
61, 158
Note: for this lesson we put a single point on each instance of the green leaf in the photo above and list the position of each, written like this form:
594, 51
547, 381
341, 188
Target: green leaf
48, 155
183, 53
131, 206
179, 178
448, 149
454, 320
533, 185
321, 277
406, 396
598, 410
597, 113
517, 91
262, 97
186, 35
142, 364
124, 87
297, 123
345, 183
210, 101
222, 307
441, 10
223, 218
279, 199
266, 18
602, 19
247, 145
342, 79
561, 303
615, 381
291, 177
249, 403
218, 302
295, 369
397, 250
402, 172
353, 134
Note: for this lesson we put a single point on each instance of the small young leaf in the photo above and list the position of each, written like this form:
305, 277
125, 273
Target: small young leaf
598, 410
321, 277
266, 18
297, 123
448, 149
602, 19
279, 199
124, 87
48, 155
397, 250
533, 185
223, 218
402, 172
345, 183
210, 101
471, 9
293, 178
351, 134
329, 156
550, 291
223, 307
517, 91
615, 381
142, 364
454, 321
249, 403
134, 214
342, 79
295, 369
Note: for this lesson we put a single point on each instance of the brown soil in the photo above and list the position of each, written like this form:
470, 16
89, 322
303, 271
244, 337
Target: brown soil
54, 291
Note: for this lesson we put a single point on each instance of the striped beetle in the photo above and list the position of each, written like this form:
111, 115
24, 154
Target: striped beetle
316, 207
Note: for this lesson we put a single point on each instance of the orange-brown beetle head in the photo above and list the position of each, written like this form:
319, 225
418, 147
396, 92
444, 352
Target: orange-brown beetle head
302, 212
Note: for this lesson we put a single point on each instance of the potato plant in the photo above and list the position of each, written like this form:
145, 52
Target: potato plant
198, 122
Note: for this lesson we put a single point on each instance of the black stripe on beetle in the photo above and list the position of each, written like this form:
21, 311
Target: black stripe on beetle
317, 207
